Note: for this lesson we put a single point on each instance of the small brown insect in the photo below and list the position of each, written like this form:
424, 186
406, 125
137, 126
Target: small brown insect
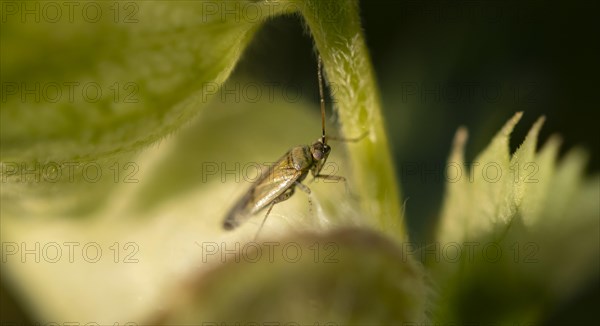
279, 181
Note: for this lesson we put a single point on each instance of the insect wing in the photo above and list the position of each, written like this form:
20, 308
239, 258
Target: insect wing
277, 179
276, 182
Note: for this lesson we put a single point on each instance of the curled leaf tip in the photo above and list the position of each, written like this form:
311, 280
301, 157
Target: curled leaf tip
458, 144
555, 140
510, 124
527, 149
535, 129
460, 138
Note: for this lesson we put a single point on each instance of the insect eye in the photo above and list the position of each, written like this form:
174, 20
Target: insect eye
319, 150
317, 154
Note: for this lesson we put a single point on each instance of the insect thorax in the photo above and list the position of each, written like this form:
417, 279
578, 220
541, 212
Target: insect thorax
300, 157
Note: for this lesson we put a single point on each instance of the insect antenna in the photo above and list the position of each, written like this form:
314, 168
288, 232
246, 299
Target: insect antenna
321, 96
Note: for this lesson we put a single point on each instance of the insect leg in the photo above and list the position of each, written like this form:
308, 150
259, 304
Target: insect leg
306, 189
330, 177
284, 196
333, 177
303, 187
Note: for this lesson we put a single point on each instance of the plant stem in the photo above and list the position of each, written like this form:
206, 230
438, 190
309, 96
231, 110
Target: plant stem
336, 29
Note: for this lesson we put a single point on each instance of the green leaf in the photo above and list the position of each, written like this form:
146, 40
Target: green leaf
160, 223
485, 199
346, 277
83, 95
525, 236
477, 199
153, 64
